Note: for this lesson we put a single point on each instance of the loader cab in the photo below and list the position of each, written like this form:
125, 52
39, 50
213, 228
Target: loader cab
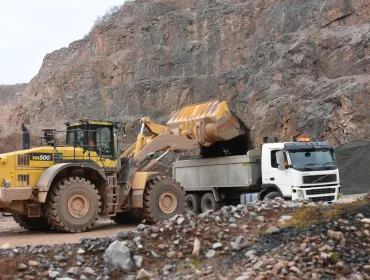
92, 136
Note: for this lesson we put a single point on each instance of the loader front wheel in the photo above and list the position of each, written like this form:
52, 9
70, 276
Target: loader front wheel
73, 205
33, 224
163, 199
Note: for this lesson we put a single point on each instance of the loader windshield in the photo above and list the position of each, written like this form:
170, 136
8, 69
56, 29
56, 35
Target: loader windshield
92, 137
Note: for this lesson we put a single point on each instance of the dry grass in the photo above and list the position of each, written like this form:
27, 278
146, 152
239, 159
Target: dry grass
312, 215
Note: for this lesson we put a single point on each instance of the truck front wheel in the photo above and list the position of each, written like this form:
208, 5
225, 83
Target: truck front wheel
272, 195
193, 201
33, 224
163, 199
73, 205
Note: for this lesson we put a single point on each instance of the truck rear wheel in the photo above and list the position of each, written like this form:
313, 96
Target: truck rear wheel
73, 205
208, 202
163, 199
193, 202
33, 224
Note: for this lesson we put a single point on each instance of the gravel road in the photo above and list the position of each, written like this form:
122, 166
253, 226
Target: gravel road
11, 233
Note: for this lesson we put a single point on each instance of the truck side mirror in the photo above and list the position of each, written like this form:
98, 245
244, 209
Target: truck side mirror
280, 160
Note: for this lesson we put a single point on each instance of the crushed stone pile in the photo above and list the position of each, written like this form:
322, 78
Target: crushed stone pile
243, 242
354, 166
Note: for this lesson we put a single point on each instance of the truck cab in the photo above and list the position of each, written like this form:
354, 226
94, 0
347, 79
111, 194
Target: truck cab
300, 170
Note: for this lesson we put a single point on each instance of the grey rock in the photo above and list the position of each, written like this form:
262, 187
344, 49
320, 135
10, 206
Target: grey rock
180, 220
89, 270
154, 235
138, 261
210, 254
155, 229
271, 230
260, 218
216, 245
22, 266
232, 220
119, 255
53, 274
167, 267
237, 216
83, 277
239, 243
204, 215
154, 254
141, 227
74, 271
142, 274
122, 235
136, 239
360, 216
250, 253
253, 214
218, 219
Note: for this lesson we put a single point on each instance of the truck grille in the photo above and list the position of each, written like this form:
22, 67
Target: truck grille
318, 179
323, 198
320, 191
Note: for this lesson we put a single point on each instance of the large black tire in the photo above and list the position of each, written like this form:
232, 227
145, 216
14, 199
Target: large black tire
272, 195
163, 199
130, 217
73, 205
33, 224
193, 203
208, 202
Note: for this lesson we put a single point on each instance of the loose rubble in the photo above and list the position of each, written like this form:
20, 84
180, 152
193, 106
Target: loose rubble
244, 242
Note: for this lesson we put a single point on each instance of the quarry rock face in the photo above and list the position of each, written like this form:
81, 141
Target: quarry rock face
281, 65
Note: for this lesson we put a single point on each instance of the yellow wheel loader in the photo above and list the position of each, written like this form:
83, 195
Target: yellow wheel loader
79, 174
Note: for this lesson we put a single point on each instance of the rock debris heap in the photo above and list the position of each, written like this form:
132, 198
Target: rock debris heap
243, 242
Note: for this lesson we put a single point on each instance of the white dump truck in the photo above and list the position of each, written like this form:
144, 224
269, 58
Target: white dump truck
292, 170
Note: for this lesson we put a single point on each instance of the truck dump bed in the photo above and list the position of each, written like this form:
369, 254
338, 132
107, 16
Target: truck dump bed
222, 172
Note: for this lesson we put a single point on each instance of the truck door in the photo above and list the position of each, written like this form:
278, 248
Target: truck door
281, 178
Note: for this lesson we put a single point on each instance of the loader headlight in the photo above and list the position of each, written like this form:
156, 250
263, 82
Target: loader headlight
5, 183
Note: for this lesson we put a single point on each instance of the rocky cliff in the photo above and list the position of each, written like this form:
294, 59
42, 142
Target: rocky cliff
278, 63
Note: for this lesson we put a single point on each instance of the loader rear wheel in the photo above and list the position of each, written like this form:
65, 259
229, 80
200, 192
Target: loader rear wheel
163, 199
193, 201
73, 205
33, 224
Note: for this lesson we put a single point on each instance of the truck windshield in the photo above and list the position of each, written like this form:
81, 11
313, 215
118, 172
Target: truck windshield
313, 159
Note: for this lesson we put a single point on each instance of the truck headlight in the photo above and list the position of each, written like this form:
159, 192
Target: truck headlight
300, 194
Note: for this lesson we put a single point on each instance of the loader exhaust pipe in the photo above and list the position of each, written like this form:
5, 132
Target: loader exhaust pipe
26, 139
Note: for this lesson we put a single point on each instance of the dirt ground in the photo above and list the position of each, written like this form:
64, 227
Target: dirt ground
11, 233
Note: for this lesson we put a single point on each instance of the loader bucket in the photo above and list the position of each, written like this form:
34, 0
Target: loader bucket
208, 123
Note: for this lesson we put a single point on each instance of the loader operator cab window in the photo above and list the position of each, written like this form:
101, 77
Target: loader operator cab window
104, 141
96, 138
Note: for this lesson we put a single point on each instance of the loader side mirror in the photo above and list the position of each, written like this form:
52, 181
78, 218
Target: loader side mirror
280, 160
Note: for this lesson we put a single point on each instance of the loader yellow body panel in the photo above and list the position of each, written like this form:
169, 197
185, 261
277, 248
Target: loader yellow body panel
23, 168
